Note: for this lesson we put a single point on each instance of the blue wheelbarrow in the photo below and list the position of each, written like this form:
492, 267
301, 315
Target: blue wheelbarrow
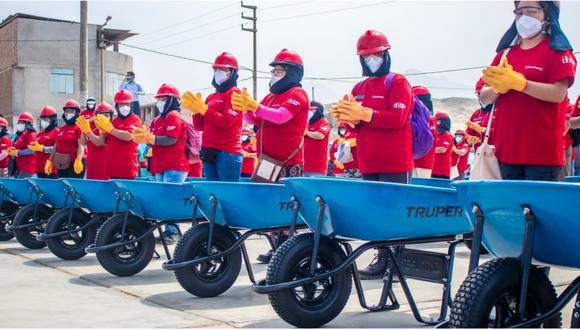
207, 259
71, 229
310, 276
523, 224
39, 198
125, 243
9, 205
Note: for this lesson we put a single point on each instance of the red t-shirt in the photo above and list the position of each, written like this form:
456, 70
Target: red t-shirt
173, 157
316, 151
47, 139
221, 125
281, 140
460, 161
25, 163
427, 160
248, 163
527, 130
67, 141
122, 155
5, 143
385, 145
96, 160
442, 162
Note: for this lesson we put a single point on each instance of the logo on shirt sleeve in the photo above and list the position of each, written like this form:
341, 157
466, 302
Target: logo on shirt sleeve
293, 102
399, 105
568, 60
170, 128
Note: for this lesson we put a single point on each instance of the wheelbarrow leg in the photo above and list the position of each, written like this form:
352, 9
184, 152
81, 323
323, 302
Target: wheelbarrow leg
314, 257
214, 205
295, 209
477, 234
526, 258
576, 313
446, 301
164, 243
247, 262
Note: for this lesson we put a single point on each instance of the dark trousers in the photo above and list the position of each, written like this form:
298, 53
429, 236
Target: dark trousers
388, 177
135, 108
44, 176
70, 173
530, 172
436, 176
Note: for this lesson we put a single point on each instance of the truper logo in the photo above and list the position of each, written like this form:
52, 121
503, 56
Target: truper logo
434, 211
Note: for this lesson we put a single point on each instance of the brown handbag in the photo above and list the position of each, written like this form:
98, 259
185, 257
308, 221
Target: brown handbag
61, 161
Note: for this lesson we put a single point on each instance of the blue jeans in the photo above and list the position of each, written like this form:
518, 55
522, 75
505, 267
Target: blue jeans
225, 167
173, 177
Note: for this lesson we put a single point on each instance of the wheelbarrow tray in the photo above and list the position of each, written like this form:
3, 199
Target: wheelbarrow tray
554, 205
440, 183
18, 190
573, 179
52, 192
377, 211
246, 205
96, 196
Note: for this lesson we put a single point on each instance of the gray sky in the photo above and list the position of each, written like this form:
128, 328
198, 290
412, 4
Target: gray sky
425, 36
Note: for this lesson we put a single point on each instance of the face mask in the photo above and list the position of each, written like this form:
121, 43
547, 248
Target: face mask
310, 114
161, 106
220, 76
125, 110
528, 27
373, 62
129, 79
20, 127
69, 116
91, 105
341, 132
458, 139
245, 138
44, 124
275, 79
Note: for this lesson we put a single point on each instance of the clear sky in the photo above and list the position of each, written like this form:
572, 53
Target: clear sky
425, 36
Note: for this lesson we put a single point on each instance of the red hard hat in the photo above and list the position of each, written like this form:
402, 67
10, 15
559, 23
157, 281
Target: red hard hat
168, 90
47, 111
420, 90
104, 107
286, 56
479, 85
439, 115
123, 96
460, 132
225, 61
372, 42
26, 116
71, 104
3, 122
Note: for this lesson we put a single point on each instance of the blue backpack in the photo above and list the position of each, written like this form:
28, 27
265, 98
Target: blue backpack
422, 135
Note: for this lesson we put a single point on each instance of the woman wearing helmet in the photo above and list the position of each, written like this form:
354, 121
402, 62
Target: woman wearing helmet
528, 81
45, 141
221, 151
5, 144
346, 134
316, 141
96, 157
443, 147
249, 146
67, 154
460, 153
25, 135
282, 115
116, 138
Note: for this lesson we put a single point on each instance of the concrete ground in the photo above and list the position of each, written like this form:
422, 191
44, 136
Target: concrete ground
39, 290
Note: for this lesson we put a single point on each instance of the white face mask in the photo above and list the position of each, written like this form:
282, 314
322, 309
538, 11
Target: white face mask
91, 105
69, 116
245, 138
44, 124
310, 114
373, 62
458, 139
161, 106
275, 79
125, 110
220, 76
528, 27
20, 127
341, 132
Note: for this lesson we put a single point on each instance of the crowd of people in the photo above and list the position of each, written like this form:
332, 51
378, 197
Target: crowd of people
523, 108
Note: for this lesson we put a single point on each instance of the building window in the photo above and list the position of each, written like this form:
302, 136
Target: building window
62, 81
113, 81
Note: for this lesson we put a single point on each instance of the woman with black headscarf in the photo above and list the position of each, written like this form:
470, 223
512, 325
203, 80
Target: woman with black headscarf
316, 141
528, 81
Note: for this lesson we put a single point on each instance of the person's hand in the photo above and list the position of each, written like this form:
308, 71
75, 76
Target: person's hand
78, 166
352, 142
503, 78
475, 126
83, 124
338, 165
194, 103
349, 111
48, 167
472, 140
244, 102
12, 152
142, 135
36, 147
103, 123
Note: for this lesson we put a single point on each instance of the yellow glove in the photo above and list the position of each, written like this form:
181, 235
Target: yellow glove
352, 111
35, 146
12, 152
352, 142
194, 103
83, 124
338, 165
142, 135
475, 126
503, 78
338, 111
48, 167
253, 140
149, 153
244, 102
103, 123
78, 166
472, 139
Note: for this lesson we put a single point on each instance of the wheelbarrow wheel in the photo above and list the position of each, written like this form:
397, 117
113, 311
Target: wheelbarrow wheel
24, 216
482, 249
129, 259
6, 218
489, 297
70, 247
315, 304
212, 278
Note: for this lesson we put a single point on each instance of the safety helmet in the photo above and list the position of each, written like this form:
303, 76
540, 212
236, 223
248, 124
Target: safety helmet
372, 42
47, 111
287, 57
26, 116
168, 90
123, 96
225, 61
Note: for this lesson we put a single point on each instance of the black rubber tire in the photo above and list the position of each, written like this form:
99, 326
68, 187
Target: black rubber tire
27, 236
7, 213
294, 256
482, 249
113, 260
205, 280
496, 282
70, 247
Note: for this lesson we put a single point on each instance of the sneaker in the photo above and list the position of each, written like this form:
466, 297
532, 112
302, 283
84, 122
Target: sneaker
265, 258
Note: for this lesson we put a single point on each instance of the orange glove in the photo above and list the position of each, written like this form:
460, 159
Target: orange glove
475, 126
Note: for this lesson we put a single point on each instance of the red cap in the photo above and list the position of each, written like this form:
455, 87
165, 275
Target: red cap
168, 90
104, 107
372, 42
225, 61
123, 96
421, 90
3, 122
460, 132
26, 116
439, 115
286, 56
47, 111
71, 104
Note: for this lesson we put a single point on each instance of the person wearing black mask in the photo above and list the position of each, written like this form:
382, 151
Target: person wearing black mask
316, 141
443, 147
